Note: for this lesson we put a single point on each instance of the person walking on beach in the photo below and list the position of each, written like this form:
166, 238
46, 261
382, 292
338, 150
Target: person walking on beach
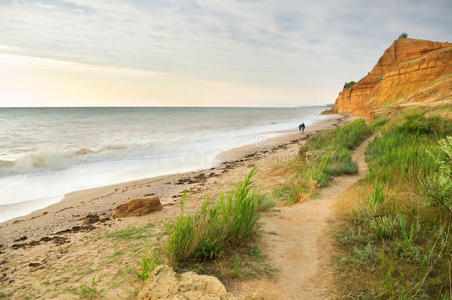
301, 127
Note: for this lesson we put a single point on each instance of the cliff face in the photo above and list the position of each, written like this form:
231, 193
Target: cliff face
409, 71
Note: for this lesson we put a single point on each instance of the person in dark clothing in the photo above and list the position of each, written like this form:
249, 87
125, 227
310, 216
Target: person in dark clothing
301, 127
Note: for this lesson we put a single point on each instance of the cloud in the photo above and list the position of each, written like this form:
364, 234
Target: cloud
292, 44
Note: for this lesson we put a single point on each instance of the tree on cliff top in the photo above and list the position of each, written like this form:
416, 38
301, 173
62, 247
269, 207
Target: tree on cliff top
403, 35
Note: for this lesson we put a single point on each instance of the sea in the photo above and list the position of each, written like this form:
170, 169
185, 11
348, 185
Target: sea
48, 152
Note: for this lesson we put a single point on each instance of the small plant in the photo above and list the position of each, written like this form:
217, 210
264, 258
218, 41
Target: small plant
438, 185
237, 265
380, 77
148, 264
348, 84
182, 202
404, 35
90, 291
254, 251
263, 202
377, 198
384, 227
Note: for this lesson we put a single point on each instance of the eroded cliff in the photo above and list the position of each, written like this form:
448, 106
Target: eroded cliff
410, 71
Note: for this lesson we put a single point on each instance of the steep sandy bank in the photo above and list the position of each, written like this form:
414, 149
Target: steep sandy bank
410, 71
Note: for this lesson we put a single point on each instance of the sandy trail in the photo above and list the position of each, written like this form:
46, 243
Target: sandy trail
298, 242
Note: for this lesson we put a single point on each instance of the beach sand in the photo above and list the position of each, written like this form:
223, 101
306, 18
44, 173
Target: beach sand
53, 250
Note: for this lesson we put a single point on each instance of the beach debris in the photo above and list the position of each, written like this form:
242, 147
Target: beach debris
34, 264
75, 229
138, 207
4, 278
57, 240
21, 239
89, 219
187, 180
164, 283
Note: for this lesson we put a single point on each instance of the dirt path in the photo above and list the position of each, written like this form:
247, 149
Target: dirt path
298, 242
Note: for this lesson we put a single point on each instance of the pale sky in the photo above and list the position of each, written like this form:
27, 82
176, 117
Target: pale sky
199, 52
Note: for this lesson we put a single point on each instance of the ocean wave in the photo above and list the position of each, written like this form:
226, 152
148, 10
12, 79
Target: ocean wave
52, 159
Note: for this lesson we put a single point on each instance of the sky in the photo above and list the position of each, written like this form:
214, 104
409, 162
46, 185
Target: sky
199, 52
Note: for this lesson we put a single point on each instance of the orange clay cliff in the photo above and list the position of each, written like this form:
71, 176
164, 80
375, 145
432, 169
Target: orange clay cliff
410, 72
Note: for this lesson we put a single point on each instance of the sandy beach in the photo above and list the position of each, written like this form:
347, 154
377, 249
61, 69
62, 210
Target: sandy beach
37, 250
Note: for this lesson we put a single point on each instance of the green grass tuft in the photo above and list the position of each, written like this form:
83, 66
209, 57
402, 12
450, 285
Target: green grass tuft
230, 220
90, 291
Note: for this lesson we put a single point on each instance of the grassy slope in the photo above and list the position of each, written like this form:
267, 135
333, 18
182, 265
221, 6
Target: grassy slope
397, 244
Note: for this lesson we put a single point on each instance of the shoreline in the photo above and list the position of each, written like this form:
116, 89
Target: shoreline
74, 206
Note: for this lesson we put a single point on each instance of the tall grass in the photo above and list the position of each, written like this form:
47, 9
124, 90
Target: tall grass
404, 226
324, 156
348, 136
229, 221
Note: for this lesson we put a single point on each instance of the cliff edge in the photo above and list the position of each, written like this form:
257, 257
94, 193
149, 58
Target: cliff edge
410, 71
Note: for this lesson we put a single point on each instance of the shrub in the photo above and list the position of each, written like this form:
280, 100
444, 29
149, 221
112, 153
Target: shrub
403, 35
148, 264
205, 236
415, 123
263, 202
348, 84
438, 185
384, 227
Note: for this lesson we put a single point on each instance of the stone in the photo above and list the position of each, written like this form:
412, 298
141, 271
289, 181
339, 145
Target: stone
138, 207
164, 283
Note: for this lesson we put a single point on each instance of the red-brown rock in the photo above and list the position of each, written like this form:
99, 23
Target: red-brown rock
138, 207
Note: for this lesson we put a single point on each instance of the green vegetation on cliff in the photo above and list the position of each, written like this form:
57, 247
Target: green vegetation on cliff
348, 84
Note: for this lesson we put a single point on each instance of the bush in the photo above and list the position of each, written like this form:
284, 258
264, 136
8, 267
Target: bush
403, 36
415, 123
263, 202
438, 185
348, 84
205, 236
